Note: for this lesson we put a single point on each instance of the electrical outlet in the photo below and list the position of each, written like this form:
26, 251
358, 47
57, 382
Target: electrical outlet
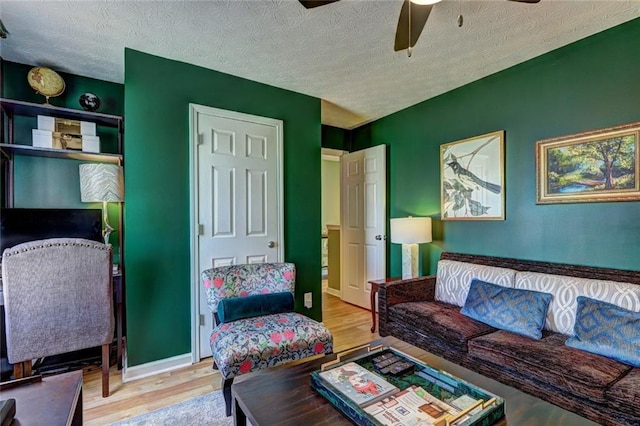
308, 300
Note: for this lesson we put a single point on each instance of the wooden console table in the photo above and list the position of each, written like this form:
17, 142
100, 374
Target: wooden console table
55, 400
375, 286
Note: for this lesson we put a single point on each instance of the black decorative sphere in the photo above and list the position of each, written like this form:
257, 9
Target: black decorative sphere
89, 101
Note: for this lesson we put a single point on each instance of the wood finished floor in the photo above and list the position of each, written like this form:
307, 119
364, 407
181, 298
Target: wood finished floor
349, 324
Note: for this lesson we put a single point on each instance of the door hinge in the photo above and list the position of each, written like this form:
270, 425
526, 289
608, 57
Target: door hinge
200, 229
201, 319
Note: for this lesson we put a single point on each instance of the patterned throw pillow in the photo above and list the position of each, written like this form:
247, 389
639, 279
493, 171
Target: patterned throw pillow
510, 309
606, 329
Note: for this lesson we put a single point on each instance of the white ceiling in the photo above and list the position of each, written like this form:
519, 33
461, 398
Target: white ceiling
341, 53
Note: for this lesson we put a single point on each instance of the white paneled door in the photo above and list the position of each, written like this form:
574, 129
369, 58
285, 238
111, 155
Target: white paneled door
363, 223
237, 197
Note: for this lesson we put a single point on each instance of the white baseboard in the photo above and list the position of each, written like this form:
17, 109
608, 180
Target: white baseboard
155, 367
333, 292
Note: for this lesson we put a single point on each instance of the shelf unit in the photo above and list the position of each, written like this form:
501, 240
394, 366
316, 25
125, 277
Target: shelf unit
9, 149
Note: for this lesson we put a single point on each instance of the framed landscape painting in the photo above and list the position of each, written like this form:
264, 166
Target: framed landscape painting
472, 178
595, 166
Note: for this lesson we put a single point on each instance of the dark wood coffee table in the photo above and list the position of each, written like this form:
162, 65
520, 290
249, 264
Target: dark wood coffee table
56, 400
283, 395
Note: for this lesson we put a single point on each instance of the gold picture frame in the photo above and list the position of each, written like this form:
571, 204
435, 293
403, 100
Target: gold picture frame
472, 178
595, 166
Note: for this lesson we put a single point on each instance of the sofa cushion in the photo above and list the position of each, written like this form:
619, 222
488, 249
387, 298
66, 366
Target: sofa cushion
625, 393
562, 310
511, 309
454, 278
254, 306
441, 321
549, 361
606, 329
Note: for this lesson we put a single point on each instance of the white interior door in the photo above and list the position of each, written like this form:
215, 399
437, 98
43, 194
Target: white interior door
363, 223
237, 198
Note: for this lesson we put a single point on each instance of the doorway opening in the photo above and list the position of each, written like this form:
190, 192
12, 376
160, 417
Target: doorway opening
330, 219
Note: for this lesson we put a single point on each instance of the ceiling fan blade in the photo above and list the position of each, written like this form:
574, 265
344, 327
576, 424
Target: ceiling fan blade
310, 4
419, 16
527, 1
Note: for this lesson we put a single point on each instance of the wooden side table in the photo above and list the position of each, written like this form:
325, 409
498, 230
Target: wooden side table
375, 286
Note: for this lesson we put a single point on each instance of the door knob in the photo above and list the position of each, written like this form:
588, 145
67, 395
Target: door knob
381, 237
271, 244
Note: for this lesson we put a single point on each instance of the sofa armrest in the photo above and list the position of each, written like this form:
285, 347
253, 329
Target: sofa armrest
421, 289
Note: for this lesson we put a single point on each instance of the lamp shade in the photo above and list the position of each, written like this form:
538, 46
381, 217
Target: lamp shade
101, 182
411, 230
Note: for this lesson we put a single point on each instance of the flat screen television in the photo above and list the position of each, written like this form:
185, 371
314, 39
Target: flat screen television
19, 225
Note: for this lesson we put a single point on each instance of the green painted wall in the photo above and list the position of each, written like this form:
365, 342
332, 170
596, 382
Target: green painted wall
336, 138
590, 84
54, 183
157, 96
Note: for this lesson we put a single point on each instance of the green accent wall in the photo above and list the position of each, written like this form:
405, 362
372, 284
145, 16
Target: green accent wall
51, 182
157, 96
336, 138
591, 84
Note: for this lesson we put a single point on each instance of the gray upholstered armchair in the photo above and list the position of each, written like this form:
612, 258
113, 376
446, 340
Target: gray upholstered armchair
58, 299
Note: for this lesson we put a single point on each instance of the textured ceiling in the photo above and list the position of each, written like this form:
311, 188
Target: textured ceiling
341, 53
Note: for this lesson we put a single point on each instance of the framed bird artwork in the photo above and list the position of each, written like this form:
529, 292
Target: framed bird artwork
472, 178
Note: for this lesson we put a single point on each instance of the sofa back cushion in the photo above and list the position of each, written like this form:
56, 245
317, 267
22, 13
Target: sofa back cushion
454, 278
561, 317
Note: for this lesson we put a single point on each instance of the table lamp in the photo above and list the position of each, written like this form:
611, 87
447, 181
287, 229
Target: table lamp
105, 183
410, 231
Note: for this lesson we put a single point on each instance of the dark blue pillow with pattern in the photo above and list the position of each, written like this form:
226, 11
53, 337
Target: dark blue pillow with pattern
511, 309
605, 329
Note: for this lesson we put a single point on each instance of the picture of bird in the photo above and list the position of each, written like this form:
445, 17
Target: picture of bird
472, 178
468, 177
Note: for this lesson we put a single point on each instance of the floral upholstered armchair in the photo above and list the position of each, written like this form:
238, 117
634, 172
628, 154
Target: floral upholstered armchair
256, 326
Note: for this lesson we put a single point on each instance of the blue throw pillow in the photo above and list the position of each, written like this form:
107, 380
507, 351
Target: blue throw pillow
519, 311
606, 329
236, 308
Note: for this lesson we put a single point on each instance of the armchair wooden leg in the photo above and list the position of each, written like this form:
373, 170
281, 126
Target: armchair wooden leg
106, 348
22, 369
226, 392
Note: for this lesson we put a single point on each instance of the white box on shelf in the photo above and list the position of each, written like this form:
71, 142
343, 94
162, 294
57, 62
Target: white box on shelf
42, 138
90, 143
87, 128
46, 123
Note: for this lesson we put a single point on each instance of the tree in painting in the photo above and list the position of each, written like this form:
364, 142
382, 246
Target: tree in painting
606, 164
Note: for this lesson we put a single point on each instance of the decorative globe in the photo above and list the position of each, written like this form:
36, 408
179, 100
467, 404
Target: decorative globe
45, 81
89, 101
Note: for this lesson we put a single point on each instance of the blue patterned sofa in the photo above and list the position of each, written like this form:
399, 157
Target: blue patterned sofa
426, 311
256, 326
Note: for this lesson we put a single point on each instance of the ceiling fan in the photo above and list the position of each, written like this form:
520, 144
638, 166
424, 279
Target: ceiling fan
413, 17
